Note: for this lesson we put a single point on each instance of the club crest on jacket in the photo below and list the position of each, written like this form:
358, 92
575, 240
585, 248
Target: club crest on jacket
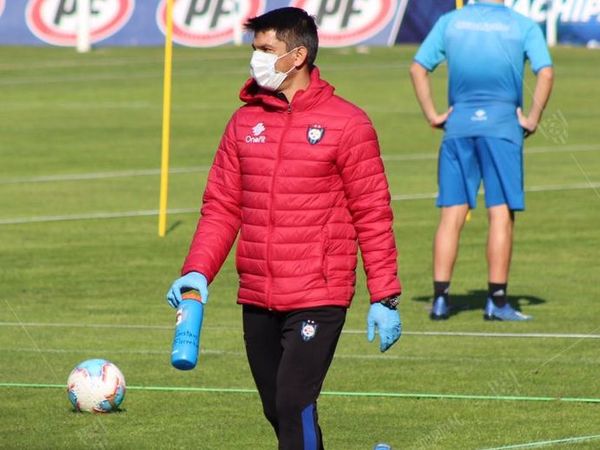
308, 330
314, 134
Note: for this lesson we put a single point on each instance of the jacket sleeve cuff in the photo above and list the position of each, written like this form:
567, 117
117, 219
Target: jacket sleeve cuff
390, 292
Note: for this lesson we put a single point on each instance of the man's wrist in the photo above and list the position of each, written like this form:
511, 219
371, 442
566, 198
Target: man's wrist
431, 117
390, 302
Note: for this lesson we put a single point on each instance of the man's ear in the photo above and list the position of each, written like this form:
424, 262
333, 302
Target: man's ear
300, 56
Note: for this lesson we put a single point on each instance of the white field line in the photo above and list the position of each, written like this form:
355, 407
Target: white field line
94, 216
157, 73
425, 156
101, 175
204, 351
553, 442
88, 325
118, 61
130, 105
214, 352
503, 335
156, 60
83, 78
472, 334
154, 212
563, 187
167, 351
108, 77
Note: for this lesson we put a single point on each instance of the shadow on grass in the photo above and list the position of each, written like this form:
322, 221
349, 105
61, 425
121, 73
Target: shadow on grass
99, 413
174, 226
475, 300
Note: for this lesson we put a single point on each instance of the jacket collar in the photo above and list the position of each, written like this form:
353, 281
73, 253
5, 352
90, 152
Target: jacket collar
318, 91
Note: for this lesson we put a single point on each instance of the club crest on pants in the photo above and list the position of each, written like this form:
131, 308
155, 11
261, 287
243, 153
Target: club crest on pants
308, 330
314, 134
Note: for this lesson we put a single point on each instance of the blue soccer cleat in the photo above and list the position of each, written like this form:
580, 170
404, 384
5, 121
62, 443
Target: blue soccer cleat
440, 309
506, 313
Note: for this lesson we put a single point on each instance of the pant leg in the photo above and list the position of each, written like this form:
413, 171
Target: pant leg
262, 337
309, 339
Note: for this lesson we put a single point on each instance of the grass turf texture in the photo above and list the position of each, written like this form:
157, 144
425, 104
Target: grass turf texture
67, 115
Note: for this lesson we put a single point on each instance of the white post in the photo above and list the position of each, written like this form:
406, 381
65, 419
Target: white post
552, 22
238, 32
84, 8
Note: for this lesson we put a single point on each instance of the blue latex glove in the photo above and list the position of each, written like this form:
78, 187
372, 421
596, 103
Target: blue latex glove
387, 322
191, 280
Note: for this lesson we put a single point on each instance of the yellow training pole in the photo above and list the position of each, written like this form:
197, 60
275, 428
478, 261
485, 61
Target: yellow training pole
166, 125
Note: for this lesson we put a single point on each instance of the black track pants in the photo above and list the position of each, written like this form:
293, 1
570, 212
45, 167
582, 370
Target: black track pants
289, 355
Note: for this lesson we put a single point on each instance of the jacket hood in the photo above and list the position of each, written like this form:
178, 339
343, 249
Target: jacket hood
318, 91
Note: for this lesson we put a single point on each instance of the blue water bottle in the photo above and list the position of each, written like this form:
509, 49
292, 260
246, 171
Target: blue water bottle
382, 446
186, 341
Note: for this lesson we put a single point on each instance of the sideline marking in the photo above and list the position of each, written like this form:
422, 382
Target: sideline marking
195, 72
101, 175
333, 393
154, 212
345, 331
544, 443
425, 156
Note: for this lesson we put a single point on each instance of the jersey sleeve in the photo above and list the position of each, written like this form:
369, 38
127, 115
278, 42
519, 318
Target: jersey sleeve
536, 49
432, 51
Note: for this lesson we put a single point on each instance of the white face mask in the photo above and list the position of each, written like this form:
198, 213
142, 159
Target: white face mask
262, 69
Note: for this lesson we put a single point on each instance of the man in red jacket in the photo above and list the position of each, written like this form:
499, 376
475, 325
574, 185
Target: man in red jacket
298, 174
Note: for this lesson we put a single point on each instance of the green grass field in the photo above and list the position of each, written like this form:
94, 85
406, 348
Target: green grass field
83, 273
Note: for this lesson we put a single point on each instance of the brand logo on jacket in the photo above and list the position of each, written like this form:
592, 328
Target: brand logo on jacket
308, 330
314, 134
257, 134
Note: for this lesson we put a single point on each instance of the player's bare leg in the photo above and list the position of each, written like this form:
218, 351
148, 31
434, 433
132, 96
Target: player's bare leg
499, 245
445, 251
499, 253
447, 236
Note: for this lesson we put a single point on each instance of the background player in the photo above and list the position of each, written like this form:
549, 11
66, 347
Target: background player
485, 45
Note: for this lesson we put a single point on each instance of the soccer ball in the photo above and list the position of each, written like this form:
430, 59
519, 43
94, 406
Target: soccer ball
96, 385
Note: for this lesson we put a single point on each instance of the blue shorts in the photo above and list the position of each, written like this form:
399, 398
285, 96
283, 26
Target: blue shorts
464, 162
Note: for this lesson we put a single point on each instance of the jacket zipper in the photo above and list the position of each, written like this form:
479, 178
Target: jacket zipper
271, 197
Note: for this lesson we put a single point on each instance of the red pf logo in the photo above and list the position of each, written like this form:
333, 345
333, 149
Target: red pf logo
55, 21
348, 22
207, 23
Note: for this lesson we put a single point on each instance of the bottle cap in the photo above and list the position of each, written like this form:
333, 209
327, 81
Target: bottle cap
191, 294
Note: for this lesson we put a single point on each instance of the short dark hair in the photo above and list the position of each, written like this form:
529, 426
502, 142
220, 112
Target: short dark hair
294, 26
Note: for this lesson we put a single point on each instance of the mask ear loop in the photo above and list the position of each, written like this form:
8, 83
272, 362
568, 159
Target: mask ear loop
283, 56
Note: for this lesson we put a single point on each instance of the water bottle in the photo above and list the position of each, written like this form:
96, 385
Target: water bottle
187, 331
382, 446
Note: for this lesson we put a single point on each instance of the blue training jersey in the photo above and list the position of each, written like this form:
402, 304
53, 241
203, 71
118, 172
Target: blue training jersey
486, 46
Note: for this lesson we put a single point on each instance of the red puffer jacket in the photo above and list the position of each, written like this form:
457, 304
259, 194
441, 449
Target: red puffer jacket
305, 184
